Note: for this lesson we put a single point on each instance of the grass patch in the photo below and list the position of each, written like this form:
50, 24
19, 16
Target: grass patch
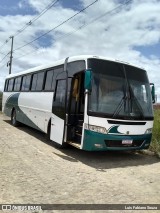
155, 145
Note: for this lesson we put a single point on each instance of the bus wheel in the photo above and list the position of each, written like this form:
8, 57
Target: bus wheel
13, 118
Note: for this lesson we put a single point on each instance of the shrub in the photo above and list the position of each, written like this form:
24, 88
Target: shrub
155, 145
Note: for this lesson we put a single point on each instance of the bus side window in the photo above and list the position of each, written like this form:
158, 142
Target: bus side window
10, 85
6, 85
37, 81
49, 80
60, 92
26, 83
40, 79
17, 84
23, 83
51, 77
34, 82
59, 104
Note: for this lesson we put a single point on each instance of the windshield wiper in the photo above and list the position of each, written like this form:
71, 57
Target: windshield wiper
126, 94
119, 107
127, 99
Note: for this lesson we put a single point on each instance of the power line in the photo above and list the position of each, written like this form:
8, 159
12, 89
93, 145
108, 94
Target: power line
81, 27
2, 53
6, 41
37, 17
94, 20
31, 22
4, 57
45, 10
3, 66
26, 54
56, 26
104, 14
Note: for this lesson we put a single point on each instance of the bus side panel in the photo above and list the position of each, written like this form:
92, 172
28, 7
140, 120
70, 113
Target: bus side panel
32, 108
37, 107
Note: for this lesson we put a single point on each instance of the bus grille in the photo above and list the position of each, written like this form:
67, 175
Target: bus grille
118, 143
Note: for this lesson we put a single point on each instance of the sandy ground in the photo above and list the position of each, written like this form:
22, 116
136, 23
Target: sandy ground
34, 171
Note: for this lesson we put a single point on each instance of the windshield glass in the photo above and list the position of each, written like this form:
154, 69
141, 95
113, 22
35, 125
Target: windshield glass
119, 91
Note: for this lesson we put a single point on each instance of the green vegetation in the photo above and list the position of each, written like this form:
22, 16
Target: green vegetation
155, 145
0, 101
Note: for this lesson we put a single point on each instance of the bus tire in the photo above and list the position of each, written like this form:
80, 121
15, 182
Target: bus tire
14, 121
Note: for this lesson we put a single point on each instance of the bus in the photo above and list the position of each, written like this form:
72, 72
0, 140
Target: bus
90, 102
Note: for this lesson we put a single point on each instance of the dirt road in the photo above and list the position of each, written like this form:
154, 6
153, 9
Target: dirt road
34, 171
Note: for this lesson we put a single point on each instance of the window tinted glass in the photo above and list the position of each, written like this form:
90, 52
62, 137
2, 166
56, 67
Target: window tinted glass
17, 84
134, 73
59, 99
6, 85
34, 82
111, 96
60, 92
52, 76
26, 83
49, 80
59, 73
40, 77
76, 66
23, 83
10, 84
37, 82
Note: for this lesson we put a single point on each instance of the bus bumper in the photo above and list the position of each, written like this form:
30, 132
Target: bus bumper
94, 141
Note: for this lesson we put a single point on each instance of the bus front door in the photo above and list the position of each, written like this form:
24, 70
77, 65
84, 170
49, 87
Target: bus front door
76, 109
58, 112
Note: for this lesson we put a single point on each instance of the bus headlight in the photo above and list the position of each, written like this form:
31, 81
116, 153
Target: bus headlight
148, 131
96, 128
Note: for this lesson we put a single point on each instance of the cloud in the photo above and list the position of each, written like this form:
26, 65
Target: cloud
115, 34
23, 4
39, 5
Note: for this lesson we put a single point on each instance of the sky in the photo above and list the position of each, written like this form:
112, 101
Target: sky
127, 30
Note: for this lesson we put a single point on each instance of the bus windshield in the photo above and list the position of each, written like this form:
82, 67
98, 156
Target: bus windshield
119, 91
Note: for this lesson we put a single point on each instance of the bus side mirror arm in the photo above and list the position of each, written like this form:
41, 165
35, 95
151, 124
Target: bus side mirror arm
153, 92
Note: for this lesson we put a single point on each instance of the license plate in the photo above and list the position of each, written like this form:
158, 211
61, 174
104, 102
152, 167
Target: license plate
127, 142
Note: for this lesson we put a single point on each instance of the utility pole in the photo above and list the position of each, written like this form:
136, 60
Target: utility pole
11, 53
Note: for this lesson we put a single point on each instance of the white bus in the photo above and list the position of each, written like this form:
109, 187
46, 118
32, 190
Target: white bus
90, 102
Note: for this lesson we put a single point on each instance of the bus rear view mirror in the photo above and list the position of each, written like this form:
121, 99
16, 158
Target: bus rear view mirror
88, 80
153, 92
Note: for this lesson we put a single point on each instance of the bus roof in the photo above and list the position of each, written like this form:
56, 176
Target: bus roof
61, 62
